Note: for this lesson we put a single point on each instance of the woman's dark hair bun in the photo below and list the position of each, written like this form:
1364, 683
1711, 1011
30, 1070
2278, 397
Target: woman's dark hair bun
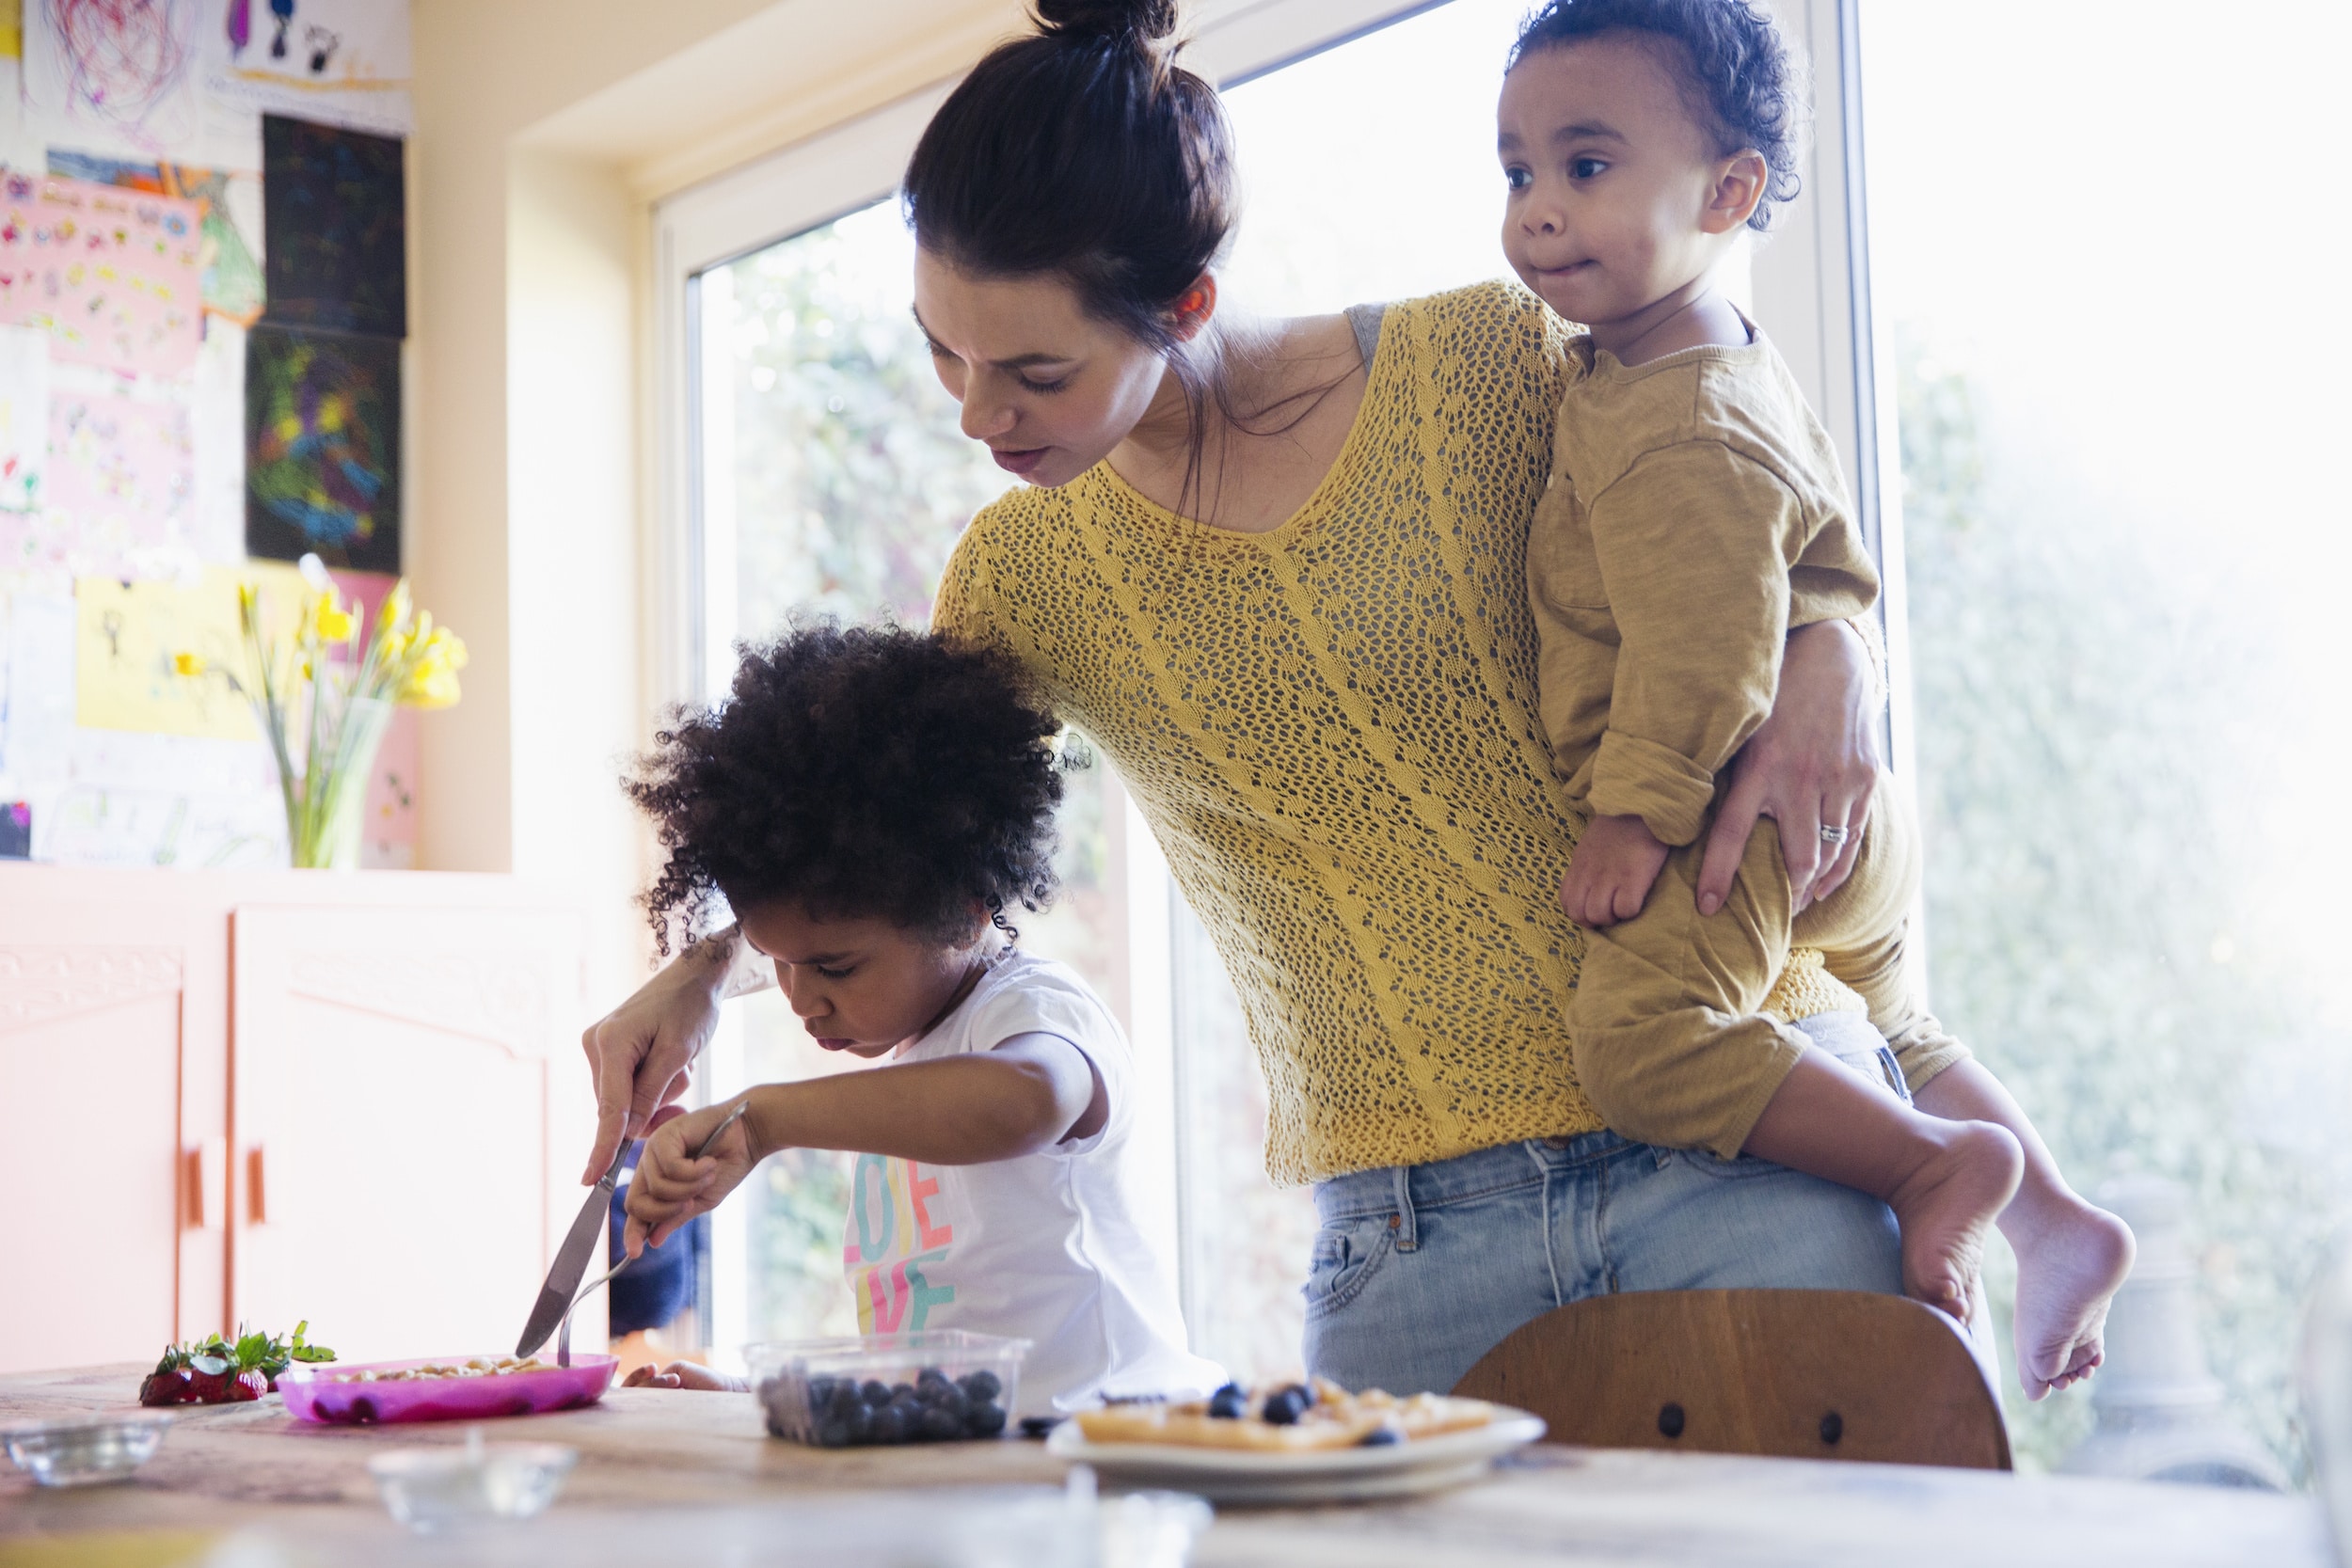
1144, 21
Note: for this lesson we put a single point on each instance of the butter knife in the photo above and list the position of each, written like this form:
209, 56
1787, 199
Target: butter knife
571, 1260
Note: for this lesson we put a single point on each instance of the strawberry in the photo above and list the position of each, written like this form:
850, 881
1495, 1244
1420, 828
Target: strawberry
213, 1370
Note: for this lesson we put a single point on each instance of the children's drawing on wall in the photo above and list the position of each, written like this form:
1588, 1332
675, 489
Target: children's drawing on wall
120, 484
23, 416
112, 74
228, 209
322, 446
114, 275
335, 227
342, 61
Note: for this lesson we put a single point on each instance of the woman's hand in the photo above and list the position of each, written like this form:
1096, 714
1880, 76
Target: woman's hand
671, 1187
1813, 765
641, 1052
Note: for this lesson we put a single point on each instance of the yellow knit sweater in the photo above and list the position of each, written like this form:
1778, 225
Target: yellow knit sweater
1333, 732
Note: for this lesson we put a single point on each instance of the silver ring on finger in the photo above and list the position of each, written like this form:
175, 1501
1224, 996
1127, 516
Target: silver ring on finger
1834, 835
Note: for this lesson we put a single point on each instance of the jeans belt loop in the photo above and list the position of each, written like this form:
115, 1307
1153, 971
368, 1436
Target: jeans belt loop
1407, 1232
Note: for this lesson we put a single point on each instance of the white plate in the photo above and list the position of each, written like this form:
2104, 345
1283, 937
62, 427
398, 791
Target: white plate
1323, 1475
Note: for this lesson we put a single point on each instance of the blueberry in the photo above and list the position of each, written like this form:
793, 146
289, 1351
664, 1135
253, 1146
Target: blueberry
820, 1392
874, 1392
1038, 1426
1380, 1438
889, 1425
858, 1419
1285, 1408
986, 1420
1228, 1403
905, 1398
932, 1377
981, 1386
845, 1399
940, 1424
832, 1433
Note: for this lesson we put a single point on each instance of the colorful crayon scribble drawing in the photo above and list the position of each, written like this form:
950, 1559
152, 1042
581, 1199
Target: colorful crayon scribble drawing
113, 275
230, 239
123, 68
323, 448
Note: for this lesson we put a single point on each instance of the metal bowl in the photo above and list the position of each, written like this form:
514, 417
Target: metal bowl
80, 1450
433, 1489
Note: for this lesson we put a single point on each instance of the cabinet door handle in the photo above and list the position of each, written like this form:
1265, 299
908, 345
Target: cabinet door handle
204, 1179
256, 1207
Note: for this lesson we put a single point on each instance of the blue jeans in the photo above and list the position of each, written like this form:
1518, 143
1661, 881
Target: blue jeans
1419, 1270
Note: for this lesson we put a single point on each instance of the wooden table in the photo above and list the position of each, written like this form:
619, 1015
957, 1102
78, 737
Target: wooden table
253, 1469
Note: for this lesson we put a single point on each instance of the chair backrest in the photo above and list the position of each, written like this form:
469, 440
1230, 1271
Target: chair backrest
1798, 1374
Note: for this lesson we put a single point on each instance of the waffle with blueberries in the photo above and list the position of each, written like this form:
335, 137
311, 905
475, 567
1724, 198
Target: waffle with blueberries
1294, 1417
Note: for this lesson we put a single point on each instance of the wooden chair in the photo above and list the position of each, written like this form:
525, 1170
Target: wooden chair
1798, 1374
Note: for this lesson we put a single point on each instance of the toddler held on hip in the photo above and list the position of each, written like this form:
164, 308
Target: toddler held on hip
1695, 516
869, 802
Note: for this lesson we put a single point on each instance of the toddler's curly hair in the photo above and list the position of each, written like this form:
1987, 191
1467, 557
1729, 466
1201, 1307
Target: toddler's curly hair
1739, 77
870, 772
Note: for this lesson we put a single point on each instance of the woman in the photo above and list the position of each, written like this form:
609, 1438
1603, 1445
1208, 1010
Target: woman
1278, 578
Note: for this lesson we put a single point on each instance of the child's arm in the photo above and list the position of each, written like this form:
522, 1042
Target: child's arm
1695, 544
1025, 1094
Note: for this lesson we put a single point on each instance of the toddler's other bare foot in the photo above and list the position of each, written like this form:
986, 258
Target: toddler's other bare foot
2072, 1257
1946, 1205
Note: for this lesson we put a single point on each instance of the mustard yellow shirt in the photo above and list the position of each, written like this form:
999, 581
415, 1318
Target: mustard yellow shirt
1333, 732
1694, 514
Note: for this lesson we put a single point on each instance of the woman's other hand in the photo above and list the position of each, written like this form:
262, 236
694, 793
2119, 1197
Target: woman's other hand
1813, 765
641, 1052
684, 1375
671, 1187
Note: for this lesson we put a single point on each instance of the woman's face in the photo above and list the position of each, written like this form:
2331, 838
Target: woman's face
1050, 388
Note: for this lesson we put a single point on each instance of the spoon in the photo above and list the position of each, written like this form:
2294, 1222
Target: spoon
564, 1335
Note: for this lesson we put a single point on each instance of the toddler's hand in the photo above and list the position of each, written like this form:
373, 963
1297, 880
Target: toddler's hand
669, 1188
1615, 865
684, 1375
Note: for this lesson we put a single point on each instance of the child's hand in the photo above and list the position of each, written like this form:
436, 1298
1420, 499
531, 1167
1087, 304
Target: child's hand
684, 1375
1615, 865
669, 1188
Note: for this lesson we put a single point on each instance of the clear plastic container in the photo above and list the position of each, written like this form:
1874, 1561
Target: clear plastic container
79, 1450
939, 1385
433, 1489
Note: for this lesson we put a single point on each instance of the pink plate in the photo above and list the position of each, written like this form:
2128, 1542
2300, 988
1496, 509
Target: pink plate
323, 1392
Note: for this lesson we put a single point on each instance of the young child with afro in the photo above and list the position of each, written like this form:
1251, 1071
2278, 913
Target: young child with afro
869, 803
1696, 513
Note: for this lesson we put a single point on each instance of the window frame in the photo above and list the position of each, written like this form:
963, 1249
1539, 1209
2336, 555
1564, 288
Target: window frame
1812, 288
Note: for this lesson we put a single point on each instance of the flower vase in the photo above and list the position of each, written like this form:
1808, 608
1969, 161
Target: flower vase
325, 818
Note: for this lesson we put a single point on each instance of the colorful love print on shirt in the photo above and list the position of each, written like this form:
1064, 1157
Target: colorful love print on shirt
895, 1241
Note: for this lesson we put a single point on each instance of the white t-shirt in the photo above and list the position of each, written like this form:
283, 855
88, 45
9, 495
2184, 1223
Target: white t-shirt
1044, 1247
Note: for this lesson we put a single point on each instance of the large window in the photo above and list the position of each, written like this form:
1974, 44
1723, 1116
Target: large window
2098, 255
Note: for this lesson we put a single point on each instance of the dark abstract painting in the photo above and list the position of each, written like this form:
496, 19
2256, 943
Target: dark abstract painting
334, 231
322, 419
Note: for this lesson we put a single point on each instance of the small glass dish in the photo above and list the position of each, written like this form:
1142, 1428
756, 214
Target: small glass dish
935, 1385
433, 1489
83, 1450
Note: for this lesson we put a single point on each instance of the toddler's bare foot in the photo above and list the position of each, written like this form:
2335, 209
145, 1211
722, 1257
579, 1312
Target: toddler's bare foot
2072, 1257
1946, 1205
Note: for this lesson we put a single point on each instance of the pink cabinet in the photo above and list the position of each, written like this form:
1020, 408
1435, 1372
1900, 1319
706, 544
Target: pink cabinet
355, 1099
